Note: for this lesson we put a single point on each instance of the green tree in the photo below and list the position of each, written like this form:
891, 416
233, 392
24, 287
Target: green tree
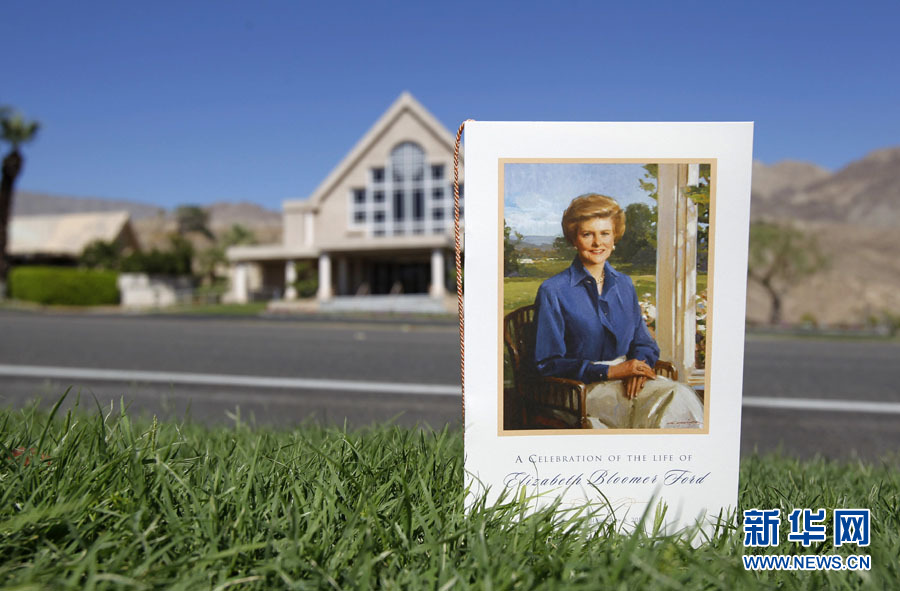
236, 235
650, 181
101, 254
307, 283
14, 130
638, 244
563, 249
182, 252
780, 255
699, 194
510, 257
210, 258
176, 260
207, 260
193, 218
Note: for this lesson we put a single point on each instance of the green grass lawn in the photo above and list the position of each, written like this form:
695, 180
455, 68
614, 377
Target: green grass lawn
105, 502
248, 309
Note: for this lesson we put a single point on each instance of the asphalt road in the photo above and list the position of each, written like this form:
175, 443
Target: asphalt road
333, 372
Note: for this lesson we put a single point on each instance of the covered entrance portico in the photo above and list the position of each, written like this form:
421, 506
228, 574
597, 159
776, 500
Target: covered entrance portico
399, 279
402, 280
394, 272
265, 272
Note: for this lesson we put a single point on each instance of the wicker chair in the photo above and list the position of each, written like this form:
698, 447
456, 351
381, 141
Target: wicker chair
548, 402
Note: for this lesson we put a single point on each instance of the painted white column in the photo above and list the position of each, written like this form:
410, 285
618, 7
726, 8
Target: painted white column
693, 174
437, 273
239, 283
290, 277
687, 277
343, 277
676, 272
666, 254
325, 292
308, 229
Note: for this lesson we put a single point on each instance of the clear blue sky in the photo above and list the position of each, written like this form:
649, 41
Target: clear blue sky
194, 102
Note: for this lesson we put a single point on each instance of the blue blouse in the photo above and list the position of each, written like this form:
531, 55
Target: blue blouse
577, 326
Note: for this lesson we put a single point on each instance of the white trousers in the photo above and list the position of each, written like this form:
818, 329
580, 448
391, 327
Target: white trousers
661, 404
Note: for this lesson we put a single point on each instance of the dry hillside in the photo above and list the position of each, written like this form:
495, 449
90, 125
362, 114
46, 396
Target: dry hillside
854, 214
265, 224
152, 223
31, 203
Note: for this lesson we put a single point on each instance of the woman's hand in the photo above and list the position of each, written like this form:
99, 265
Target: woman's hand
630, 368
633, 386
634, 372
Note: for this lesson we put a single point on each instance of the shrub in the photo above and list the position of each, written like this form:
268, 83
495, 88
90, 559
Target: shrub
64, 286
100, 254
212, 293
307, 283
174, 261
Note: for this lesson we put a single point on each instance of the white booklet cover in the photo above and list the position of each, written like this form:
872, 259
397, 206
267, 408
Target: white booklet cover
605, 283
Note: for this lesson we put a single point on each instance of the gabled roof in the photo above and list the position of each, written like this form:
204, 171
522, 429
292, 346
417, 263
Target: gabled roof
66, 234
404, 103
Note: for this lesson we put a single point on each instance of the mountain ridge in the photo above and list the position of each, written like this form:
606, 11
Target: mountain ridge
221, 213
865, 191
853, 212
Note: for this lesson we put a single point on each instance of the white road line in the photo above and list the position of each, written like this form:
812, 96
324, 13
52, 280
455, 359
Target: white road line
162, 377
866, 406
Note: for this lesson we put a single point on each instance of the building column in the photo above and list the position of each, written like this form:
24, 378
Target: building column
343, 277
290, 277
437, 289
324, 292
239, 283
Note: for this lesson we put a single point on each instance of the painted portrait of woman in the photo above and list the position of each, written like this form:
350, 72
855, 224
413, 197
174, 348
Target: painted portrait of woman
589, 328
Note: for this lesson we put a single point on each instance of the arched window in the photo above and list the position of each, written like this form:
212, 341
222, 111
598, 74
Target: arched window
407, 162
406, 195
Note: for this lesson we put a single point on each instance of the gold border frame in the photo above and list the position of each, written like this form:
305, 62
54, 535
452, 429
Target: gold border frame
713, 181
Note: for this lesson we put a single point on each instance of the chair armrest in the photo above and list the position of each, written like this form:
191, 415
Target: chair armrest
667, 369
562, 395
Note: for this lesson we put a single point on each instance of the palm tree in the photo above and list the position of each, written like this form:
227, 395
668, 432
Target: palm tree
17, 131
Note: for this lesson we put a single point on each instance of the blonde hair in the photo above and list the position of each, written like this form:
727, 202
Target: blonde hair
589, 206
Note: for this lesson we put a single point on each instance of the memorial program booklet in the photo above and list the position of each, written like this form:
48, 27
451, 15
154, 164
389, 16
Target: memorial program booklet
605, 283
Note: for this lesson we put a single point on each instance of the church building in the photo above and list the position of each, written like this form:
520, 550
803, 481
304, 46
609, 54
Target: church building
379, 228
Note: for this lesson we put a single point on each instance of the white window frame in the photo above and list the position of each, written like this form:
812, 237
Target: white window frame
407, 225
356, 207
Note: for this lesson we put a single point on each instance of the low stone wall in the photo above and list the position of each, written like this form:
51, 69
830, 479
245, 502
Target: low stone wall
139, 290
